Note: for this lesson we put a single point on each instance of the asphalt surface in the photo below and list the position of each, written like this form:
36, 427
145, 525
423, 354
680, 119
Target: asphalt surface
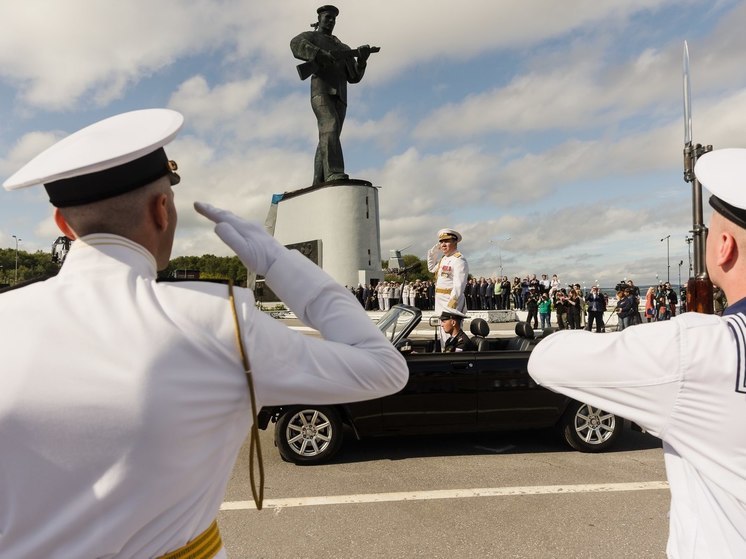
522, 494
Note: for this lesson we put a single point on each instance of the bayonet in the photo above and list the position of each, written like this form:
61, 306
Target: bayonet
699, 287
687, 98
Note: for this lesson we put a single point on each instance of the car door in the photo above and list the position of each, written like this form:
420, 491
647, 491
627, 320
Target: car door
509, 397
441, 394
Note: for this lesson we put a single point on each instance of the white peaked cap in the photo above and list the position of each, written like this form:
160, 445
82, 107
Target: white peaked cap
723, 173
105, 159
449, 233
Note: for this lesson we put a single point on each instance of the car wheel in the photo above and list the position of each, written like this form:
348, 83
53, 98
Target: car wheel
590, 429
308, 434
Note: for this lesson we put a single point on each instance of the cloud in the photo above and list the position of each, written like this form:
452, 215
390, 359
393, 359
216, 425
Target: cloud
221, 104
26, 148
57, 54
100, 49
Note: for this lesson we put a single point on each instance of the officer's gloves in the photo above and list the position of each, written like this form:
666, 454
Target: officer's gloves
249, 240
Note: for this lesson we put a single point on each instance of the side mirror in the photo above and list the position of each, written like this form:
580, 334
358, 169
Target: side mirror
434, 321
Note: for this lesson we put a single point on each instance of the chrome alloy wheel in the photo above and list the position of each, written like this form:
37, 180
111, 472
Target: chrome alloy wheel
593, 425
309, 432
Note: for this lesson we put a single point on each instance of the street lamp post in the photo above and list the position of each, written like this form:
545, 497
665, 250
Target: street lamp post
17, 241
667, 238
688, 241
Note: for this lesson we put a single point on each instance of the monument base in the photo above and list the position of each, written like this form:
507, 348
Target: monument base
336, 225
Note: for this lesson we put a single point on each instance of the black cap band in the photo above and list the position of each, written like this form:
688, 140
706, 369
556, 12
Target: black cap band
84, 189
732, 213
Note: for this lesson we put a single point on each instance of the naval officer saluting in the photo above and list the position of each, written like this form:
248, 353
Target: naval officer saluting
124, 402
684, 380
451, 273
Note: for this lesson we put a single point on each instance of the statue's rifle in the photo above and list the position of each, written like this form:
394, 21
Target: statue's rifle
311, 67
699, 287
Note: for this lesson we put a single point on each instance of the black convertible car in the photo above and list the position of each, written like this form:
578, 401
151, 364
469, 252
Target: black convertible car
484, 390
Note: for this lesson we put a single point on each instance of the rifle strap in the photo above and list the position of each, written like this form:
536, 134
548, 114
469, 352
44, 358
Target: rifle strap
254, 445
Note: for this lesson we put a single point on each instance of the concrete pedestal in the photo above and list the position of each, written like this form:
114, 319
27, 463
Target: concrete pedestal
336, 225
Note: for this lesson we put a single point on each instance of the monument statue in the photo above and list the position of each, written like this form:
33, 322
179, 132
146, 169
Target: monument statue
332, 64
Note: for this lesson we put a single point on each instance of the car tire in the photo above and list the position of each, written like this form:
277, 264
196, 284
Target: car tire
590, 429
308, 434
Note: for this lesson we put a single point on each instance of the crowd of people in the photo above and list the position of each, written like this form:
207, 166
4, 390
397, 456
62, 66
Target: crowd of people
574, 307
385, 294
660, 302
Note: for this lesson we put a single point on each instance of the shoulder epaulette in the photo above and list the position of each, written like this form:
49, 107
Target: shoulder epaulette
457, 254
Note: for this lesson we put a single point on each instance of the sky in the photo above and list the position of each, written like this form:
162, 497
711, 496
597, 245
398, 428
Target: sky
549, 134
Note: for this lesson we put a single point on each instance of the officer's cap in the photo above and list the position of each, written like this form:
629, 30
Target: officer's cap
452, 313
106, 159
449, 234
723, 173
328, 8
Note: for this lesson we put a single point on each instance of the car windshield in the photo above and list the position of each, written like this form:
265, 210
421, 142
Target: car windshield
395, 321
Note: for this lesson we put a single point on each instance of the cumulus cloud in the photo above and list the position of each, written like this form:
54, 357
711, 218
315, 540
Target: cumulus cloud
536, 146
26, 148
214, 106
56, 54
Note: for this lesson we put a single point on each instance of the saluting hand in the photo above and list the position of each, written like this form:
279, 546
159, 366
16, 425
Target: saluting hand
256, 248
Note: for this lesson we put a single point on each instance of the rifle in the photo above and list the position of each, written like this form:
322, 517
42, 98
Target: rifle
699, 290
311, 67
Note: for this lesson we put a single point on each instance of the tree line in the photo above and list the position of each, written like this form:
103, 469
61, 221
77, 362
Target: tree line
32, 265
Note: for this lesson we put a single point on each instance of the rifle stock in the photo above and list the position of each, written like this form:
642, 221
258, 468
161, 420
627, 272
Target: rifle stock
699, 295
306, 69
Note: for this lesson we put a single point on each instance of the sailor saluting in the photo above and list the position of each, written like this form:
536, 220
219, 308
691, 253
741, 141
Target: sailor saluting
683, 380
124, 401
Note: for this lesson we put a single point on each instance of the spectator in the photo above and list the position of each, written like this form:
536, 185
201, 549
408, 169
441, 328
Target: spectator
560, 308
625, 308
596, 307
532, 306
545, 311
650, 304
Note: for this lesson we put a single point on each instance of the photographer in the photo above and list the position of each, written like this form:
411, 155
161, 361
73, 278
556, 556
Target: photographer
574, 303
560, 307
596, 307
625, 309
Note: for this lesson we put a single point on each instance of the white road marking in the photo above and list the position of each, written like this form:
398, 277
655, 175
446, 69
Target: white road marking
447, 494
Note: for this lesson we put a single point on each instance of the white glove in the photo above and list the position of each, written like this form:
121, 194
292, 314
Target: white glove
256, 248
435, 248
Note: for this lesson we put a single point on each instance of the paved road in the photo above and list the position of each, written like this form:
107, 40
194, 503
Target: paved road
506, 495
568, 505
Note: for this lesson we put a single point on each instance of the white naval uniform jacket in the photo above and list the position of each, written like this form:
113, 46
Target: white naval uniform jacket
451, 273
682, 380
124, 402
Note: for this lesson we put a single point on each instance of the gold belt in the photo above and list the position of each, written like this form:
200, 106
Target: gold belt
204, 546
443, 290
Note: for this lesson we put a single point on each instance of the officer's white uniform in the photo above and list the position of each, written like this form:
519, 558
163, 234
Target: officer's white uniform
124, 402
684, 380
451, 275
